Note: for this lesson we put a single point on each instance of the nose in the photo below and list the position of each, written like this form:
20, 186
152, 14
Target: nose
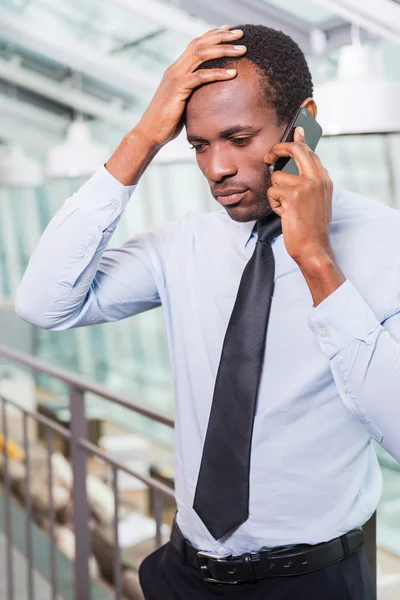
221, 164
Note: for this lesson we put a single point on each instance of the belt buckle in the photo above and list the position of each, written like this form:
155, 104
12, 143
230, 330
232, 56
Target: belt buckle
203, 562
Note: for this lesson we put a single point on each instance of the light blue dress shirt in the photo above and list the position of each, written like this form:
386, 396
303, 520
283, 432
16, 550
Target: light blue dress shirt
331, 375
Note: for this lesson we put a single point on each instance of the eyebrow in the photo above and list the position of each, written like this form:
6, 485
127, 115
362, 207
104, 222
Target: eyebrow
226, 133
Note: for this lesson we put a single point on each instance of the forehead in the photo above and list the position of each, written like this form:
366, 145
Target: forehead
226, 103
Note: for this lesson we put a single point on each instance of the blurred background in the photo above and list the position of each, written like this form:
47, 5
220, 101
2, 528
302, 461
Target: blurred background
75, 76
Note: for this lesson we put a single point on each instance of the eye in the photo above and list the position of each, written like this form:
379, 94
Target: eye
241, 141
197, 147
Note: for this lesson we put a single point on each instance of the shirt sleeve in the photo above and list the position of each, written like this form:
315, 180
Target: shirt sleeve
72, 280
364, 357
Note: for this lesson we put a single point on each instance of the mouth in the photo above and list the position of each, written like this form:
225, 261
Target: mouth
231, 199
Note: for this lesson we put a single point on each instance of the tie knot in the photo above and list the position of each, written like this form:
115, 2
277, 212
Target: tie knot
268, 228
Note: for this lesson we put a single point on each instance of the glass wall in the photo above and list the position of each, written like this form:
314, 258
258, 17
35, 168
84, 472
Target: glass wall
131, 357
368, 165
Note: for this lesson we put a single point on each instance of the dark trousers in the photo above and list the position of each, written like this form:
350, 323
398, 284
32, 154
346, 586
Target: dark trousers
164, 576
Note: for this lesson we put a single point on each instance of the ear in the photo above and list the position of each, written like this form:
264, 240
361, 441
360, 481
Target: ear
310, 105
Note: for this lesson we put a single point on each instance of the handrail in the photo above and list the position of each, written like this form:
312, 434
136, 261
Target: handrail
82, 383
80, 448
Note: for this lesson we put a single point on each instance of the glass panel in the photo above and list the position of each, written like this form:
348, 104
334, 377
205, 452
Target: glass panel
107, 27
303, 10
360, 163
130, 356
367, 165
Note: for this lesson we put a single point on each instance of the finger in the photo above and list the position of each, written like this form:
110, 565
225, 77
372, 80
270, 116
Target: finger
299, 135
278, 194
322, 171
203, 76
223, 27
284, 179
203, 53
216, 29
217, 36
194, 53
212, 37
300, 153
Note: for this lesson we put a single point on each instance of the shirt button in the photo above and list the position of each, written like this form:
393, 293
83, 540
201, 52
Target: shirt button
115, 205
322, 331
221, 550
344, 389
86, 255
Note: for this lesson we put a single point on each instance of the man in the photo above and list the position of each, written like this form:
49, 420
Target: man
271, 495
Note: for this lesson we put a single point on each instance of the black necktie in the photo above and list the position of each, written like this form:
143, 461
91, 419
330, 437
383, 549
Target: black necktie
222, 492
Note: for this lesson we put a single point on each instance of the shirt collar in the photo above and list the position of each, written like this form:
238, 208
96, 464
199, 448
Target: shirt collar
248, 229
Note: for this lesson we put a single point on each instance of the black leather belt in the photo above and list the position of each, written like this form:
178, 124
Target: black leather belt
279, 562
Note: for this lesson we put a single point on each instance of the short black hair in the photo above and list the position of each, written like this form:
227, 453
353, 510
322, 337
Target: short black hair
283, 68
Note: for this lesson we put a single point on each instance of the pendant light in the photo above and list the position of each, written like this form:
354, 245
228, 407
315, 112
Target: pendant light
359, 99
79, 155
17, 169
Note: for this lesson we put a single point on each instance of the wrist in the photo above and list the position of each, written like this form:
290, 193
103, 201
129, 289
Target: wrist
131, 158
317, 261
322, 274
140, 135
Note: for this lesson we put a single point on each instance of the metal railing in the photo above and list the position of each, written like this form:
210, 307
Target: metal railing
80, 449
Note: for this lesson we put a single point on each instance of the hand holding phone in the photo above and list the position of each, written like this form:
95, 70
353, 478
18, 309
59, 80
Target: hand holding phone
302, 198
312, 135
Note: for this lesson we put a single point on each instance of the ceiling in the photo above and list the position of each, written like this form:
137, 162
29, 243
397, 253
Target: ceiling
104, 58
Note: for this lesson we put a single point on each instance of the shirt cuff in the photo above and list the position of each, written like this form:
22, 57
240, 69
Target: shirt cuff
341, 318
103, 195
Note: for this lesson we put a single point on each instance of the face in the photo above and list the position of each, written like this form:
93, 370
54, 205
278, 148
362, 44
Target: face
232, 128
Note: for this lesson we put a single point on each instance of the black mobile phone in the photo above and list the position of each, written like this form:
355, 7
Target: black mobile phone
312, 134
